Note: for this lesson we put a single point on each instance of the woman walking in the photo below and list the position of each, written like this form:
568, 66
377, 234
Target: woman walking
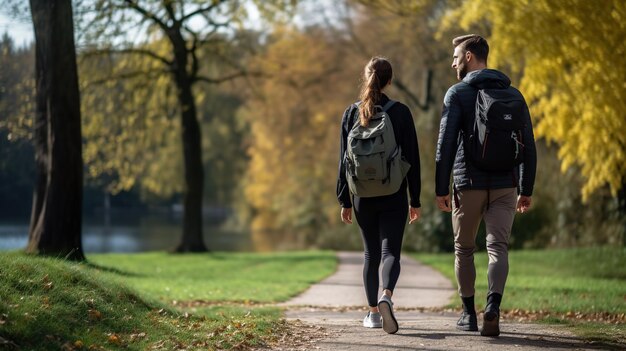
379, 159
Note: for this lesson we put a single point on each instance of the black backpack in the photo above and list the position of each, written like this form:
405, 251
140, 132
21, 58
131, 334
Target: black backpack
494, 143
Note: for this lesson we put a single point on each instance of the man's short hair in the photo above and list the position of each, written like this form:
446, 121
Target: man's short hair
473, 43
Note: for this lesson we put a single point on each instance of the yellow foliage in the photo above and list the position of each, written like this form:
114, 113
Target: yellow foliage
570, 56
131, 125
295, 120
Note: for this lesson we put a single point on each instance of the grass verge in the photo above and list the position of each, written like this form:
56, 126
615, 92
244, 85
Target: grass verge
155, 301
584, 288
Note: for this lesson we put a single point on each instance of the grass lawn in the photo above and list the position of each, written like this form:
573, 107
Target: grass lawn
151, 300
558, 286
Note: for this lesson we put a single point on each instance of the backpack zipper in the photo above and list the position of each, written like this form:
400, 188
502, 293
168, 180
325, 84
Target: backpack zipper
518, 143
485, 143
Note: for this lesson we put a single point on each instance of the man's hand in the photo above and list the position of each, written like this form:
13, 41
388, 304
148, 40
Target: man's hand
443, 202
346, 215
523, 203
415, 213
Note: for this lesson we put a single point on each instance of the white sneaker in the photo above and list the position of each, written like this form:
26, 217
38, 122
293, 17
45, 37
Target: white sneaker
372, 320
385, 307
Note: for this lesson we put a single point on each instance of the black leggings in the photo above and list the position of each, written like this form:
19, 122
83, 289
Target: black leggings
382, 221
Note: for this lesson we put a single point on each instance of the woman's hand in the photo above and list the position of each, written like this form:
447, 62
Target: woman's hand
346, 215
415, 213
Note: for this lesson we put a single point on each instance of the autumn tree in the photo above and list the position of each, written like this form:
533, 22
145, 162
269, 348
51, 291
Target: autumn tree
410, 34
406, 33
131, 129
294, 121
559, 218
565, 53
57, 204
187, 27
132, 133
343, 41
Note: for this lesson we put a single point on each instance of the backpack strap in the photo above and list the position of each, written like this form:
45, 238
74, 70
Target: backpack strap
352, 121
353, 113
388, 105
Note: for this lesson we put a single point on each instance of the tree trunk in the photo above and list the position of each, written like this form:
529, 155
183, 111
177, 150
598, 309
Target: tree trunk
56, 218
192, 239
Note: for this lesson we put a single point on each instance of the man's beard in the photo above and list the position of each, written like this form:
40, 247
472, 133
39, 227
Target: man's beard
461, 70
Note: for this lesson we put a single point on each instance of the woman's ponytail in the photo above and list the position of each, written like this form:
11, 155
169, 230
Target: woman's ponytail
376, 76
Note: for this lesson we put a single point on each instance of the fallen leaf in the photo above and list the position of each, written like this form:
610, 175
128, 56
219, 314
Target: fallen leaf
94, 314
114, 339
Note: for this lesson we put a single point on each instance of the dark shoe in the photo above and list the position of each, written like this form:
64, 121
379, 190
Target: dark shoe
385, 307
491, 322
467, 322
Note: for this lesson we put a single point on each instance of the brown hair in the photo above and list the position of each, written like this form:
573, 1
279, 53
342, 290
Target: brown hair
473, 43
376, 76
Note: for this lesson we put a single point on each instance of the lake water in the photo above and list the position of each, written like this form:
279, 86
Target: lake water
131, 232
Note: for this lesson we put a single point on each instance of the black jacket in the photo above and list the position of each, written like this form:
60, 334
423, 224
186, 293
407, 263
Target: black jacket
457, 117
406, 137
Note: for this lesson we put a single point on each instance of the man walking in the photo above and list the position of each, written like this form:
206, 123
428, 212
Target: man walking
486, 141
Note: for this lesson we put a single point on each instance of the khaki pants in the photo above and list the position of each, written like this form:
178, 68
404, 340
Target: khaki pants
469, 207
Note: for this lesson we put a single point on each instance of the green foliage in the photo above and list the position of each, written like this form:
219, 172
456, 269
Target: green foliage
130, 125
132, 129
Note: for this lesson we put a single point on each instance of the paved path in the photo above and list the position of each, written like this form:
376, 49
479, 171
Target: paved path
337, 305
418, 286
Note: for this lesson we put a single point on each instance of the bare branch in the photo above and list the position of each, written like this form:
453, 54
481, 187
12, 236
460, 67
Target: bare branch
427, 91
136, 51
200, 10
147, 14
360, 47
207, 38
170, 12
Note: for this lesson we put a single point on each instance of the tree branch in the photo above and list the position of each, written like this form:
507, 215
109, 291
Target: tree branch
397, 82
147, 14
427, 91
201, 10
170, 11
136, 51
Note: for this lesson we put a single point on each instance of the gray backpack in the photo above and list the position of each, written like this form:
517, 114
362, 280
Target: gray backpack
373, 159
